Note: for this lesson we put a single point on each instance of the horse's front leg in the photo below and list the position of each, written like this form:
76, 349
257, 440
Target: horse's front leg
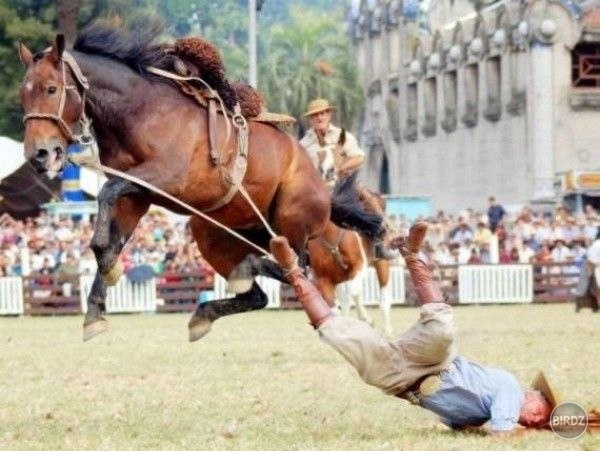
121, 204
94, 323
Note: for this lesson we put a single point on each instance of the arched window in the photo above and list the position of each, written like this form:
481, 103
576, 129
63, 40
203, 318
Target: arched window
412, 111
471, 90
429, 127
454, 56
450, 90
493, 75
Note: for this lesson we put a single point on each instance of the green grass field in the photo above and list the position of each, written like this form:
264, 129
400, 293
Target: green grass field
262, 381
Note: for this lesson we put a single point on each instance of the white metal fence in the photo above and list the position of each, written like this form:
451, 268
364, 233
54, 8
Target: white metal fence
495, 284
124, 297
476, 284
11, 296
369, 290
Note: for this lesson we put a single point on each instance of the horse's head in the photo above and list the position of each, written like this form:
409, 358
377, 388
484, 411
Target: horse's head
52, 98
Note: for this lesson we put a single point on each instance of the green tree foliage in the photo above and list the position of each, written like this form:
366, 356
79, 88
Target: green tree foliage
303, 49
20, 21
307, 58
35, 23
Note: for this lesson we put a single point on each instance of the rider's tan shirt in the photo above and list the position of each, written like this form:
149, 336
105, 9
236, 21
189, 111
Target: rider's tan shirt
324, 157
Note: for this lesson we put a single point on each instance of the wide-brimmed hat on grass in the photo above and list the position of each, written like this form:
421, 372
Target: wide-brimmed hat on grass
541, 384
318, 106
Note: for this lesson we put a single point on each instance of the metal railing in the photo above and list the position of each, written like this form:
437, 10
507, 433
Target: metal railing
181, 292
495, 284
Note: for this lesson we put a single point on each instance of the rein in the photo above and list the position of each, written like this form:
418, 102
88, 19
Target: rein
90, 157
88, 162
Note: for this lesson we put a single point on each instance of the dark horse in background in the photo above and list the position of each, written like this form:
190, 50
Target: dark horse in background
146, 127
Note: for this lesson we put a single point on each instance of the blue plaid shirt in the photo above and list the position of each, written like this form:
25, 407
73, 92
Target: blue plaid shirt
471, 395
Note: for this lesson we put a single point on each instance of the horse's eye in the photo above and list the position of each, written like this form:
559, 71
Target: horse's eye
51, 89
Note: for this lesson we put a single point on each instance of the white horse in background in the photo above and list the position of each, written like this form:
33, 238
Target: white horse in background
362, 287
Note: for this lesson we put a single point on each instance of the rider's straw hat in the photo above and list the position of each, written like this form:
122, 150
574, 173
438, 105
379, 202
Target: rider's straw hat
541, 384
317, 106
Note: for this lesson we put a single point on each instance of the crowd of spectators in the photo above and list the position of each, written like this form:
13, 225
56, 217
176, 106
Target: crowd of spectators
522, 237
50, 245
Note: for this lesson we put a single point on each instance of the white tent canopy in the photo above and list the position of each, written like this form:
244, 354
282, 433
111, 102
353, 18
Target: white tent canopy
11, 158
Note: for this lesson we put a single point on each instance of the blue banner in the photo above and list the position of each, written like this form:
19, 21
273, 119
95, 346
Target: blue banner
71, 179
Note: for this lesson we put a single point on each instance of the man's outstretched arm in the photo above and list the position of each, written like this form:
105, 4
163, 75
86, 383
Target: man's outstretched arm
316, 308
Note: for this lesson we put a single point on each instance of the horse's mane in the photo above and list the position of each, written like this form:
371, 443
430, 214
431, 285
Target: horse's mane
136, 47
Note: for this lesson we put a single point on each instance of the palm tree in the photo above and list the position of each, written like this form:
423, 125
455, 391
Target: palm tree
307, 58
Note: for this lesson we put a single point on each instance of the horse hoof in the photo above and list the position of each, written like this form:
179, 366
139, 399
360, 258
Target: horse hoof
238, 286
199, 329
95, 328
114, 274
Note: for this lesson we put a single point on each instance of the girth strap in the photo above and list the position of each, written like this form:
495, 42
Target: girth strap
235, 175
212, 128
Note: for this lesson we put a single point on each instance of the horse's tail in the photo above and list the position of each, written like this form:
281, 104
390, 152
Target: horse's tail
348, 212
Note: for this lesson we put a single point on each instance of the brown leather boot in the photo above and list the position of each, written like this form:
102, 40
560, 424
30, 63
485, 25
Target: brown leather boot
426, 288
314, 305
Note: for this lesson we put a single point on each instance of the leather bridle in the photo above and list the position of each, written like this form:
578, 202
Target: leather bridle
68, 60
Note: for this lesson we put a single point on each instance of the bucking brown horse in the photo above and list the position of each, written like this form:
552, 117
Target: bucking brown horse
146, 127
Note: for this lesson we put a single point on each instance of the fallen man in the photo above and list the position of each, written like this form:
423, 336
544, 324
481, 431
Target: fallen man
421, 364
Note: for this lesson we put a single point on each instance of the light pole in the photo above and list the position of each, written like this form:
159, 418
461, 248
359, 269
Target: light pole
252, 77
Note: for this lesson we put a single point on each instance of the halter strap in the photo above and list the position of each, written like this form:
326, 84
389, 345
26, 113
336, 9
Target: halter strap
67, 60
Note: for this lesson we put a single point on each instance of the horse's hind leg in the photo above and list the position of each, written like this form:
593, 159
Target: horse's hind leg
116, 219
224, 253
240, 279
382, 267
208, 312
342, 297
385, 304
355, 294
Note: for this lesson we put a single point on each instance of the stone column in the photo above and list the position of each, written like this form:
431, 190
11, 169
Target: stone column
541, 120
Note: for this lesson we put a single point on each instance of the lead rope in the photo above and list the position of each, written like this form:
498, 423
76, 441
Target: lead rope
244, 193
99, 167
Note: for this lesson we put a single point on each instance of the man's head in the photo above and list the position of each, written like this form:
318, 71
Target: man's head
492, 200
319, 114
535, 409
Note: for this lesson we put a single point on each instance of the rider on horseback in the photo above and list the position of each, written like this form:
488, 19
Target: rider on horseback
336, 154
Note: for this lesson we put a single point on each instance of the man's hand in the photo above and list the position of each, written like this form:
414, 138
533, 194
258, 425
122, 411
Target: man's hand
285, 256
313, 303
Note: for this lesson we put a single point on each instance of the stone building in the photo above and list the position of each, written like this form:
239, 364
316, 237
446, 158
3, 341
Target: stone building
464, 102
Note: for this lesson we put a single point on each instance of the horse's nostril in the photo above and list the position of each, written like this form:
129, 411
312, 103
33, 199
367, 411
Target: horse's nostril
58, 150
41, 155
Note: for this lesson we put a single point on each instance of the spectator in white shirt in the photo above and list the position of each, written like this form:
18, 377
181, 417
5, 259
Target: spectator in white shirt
526, 253
561, 253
